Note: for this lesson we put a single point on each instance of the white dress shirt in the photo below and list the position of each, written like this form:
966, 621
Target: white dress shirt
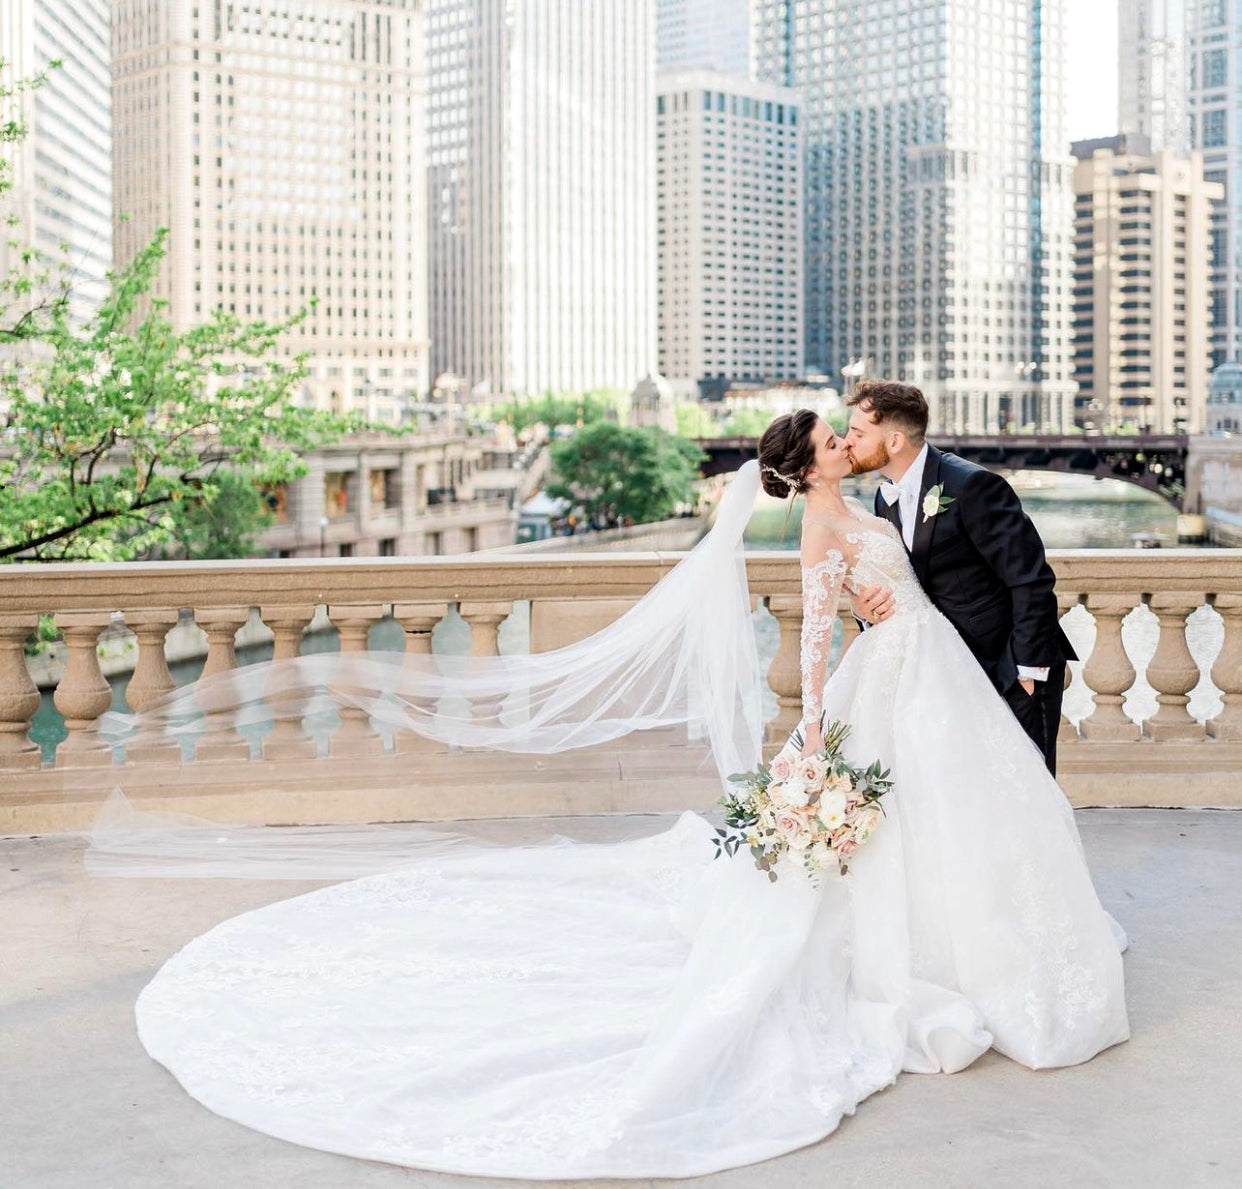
906, 489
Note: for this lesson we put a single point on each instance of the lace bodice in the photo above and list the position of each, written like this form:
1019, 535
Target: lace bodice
873, 555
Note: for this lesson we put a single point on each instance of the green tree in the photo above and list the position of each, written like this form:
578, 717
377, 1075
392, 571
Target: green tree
747, 423
111, 430
222, 522
552, 409
616, 473
123, 438
31, 287
694, 421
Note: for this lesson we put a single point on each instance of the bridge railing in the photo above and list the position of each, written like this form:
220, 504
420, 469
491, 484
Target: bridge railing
1154, 714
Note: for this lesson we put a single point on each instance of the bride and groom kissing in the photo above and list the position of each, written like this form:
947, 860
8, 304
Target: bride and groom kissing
974, 551
639, 1009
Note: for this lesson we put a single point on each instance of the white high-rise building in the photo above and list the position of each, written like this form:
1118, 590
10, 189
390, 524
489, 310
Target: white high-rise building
1141, 286
938, 203
1151, 72
1214, 99
282, 143
729, 198
541, 136
62, 170
705, 34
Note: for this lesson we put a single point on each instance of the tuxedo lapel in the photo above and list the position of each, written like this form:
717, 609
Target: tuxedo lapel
925, 526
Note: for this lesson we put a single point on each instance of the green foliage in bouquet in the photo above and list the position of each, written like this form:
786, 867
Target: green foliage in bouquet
818, 809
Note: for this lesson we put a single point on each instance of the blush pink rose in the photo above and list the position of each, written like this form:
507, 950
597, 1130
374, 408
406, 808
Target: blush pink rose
782, 767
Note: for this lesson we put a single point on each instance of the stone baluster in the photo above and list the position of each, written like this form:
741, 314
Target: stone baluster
1108, 671
83, 693
286, 740
1066, 601
221, 626
19, 697
220, 742
1227, 671
419, 620
151, 680
485, 619
355, 736
785, 671
1173, 672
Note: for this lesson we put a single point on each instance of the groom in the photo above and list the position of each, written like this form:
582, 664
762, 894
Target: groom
976, 554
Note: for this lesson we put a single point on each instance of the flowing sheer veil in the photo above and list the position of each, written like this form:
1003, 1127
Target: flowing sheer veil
672, 684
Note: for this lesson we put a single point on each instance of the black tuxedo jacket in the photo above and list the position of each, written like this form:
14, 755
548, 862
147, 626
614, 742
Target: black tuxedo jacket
982, 564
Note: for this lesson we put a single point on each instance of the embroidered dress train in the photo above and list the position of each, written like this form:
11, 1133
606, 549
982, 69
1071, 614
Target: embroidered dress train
640, 1009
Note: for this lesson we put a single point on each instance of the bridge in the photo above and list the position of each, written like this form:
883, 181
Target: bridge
1156, 462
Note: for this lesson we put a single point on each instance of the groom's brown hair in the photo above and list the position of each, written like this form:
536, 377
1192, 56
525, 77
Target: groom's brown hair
902, 406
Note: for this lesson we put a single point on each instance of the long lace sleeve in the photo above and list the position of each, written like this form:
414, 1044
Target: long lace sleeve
821, 593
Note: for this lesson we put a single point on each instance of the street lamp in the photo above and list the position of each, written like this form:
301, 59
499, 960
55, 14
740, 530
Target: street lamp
323, 536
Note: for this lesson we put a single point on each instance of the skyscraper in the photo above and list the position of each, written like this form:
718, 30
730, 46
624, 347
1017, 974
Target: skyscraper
282, 142
728, 183
705, 34
1151, 72
541, 174
62, 171
1214, 89
1141, 286
938, 204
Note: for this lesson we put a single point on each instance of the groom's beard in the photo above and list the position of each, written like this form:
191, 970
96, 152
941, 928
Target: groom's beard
861, 464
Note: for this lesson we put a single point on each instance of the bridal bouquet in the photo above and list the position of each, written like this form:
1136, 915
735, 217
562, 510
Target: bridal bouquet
817, 810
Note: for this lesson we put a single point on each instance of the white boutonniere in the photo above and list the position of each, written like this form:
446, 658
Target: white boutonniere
935, 501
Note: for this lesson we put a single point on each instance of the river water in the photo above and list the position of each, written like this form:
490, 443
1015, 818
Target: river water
1071, 512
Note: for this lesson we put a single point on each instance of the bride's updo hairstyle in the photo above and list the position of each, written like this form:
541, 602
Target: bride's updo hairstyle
786, 453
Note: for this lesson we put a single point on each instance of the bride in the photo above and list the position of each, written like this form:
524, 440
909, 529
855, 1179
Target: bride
643, 1009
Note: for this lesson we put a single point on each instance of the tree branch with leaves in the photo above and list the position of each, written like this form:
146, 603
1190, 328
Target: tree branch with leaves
111, 430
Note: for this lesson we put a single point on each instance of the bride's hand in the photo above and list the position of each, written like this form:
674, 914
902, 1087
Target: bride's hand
813, 740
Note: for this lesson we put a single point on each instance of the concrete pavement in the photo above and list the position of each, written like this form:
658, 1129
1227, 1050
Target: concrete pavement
83, 1107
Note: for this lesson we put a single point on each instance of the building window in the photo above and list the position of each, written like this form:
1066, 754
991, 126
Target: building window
383, 486
1214, 64
388, 547
1214, 128
336, 500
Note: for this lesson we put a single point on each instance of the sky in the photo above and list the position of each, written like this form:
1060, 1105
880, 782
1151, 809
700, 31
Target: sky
1091, 43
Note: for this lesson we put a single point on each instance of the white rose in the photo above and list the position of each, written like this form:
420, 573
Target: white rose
931, 503
832, 809
821, 855
792, 792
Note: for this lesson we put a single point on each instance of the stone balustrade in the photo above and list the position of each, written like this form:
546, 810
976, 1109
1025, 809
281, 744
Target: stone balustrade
1109, 755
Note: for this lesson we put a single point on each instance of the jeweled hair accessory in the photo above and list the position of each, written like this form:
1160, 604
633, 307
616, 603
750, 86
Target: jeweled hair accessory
792, 483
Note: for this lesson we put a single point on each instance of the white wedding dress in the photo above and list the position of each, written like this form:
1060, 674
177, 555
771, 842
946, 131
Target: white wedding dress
642, 1009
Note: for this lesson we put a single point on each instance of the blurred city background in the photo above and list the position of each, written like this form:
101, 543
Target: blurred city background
663, 213
440, 326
